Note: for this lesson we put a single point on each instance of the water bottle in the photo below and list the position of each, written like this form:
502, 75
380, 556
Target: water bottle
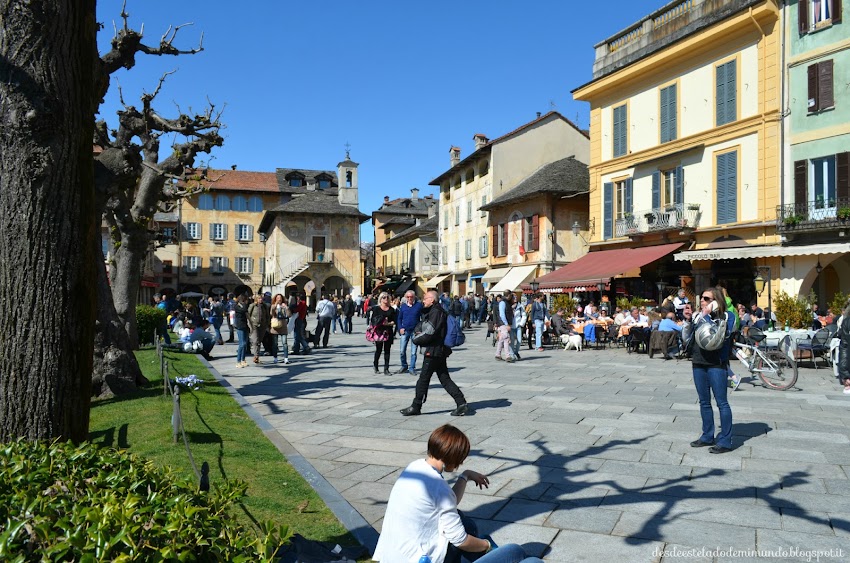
787, 326
424, 559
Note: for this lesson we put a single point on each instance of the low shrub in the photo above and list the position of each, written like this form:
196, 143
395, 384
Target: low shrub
564, 302
147, 319
60, 502
795, 311
839, 300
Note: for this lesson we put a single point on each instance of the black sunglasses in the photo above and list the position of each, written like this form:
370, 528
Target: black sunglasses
704, 298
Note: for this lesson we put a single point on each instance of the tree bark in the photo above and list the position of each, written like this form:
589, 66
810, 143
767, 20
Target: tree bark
116, 371
47, 105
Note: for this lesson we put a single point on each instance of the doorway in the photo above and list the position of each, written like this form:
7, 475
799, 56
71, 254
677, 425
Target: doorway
318, 249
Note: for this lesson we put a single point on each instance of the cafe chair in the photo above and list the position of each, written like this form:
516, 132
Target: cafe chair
817, 346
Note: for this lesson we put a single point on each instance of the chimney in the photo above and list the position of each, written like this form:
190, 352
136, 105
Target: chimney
432, 208
414, 194
454, 153
386, 199
233, 167
480, 140
538, 115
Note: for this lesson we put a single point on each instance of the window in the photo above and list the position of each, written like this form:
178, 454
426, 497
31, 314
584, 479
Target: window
167, 235
218, 231
726, 93
244, 265
812, 14
457, 215
222, 203
468, 244
104, 246
191, 264
820, 86
668, 114
616, 204
668, 187
727, 187
500, 240
324, 184
296, 182
167, 270
255, 203
244, 233
457, 252
620, 131
484, 169
483, 203
445, 255
446, 219
469, 211
823, 183
193, 231
470, 175
239, 203
205, 202
482, 246
531, 233
217, 265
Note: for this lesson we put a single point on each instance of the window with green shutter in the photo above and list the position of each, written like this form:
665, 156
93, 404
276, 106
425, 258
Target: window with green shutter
726, 96
620, 131
668, 114
608, 210
727, 187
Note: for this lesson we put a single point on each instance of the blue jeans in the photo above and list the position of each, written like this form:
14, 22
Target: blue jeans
298, 339
508, 553
405, 338
283, 344
338, 321
538, 333
242, 334
217, 322
710, 380
516, 338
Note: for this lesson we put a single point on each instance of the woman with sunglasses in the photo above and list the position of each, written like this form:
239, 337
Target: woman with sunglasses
383, 318
422, 521
709, 368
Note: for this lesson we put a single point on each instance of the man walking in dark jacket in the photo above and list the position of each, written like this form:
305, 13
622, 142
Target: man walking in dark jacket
435, 353
348, 308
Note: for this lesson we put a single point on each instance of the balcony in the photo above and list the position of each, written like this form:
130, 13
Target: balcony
811, 216
677, 217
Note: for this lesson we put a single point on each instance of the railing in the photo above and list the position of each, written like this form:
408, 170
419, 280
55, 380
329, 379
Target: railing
294, 266
671, 14
623, 40
813, 215
666, 218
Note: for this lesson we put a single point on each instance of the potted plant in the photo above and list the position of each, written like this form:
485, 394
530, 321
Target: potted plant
844, 213
693, 207
792, 221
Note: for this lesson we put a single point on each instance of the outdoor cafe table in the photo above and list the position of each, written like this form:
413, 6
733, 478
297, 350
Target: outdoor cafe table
772, 338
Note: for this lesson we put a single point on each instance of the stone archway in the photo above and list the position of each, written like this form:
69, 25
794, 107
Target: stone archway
335, 286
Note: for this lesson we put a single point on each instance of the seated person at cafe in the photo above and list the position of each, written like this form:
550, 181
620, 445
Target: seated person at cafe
560, 325
597, 319
620, 316
744, 315
591, 312
633, 320
827, 319
669, 323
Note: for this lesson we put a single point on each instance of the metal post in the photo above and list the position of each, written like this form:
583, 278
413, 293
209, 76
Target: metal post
165, 380
175, 415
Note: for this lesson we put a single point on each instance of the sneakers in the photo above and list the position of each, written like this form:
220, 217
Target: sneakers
286, 360
718, 450
540, 349
499, 358
412, 372
274, 361
402, 370
701, 444
735, 381
410, 411
510, 360
847, 390
461, 410
256, 359
387, 372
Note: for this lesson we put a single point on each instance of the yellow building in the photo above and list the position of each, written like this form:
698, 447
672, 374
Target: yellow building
211, 240
685, 145
393, 217
468, 249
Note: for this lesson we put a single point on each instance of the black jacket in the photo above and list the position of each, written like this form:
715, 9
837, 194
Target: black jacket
348, 307
432, 346
844, 349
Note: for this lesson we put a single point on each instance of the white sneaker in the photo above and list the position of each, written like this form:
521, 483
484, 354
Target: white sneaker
286, 360
274, 361
847, 390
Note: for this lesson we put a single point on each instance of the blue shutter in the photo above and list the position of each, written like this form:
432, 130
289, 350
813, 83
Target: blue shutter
620, 131
679, 185
608, 210
629, 195
721, 189
731, 92
720, 97
656, 189
663, 115
671, 113
727, 188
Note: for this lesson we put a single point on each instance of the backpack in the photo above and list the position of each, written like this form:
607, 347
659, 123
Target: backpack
456, 308
454, 333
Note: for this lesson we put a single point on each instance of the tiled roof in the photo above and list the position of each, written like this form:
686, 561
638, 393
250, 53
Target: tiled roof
567, 176
240, 180
406, 206
399, 221
426, 227
310, 177
318, 203
486, 147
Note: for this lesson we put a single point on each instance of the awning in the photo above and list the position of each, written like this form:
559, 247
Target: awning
515, 277
494, 274
599, 267
436, 280
405, 285
762, 251
476, 277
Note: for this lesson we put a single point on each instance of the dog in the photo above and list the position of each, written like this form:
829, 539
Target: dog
571, 341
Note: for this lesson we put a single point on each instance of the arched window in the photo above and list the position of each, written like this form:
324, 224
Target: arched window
222, 203
205, 202
470, 175
255, 203
239, 203
484, 168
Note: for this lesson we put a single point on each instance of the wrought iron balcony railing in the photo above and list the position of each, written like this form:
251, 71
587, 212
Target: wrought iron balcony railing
666, 218
813, 215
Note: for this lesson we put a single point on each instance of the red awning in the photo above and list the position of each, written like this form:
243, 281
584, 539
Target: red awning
600, 267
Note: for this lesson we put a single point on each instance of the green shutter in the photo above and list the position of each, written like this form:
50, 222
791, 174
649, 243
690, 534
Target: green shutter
656, 189
608, 210
679, 185
629, 195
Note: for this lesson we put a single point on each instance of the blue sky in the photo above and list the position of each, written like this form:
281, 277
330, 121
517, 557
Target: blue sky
400, 81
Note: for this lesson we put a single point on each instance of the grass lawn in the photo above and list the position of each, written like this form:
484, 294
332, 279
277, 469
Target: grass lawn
221, 434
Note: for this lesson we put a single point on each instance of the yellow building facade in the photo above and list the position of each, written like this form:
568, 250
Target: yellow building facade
685, 140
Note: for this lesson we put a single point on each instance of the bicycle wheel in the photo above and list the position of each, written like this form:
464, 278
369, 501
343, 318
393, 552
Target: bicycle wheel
778, 372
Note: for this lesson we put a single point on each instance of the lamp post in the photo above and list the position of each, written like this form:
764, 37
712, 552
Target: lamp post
535, 285
601, 287
759, 282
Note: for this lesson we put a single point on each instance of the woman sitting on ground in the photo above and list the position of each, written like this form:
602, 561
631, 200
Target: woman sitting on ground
422, 518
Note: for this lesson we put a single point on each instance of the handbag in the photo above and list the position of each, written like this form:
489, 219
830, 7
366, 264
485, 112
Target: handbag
373, 334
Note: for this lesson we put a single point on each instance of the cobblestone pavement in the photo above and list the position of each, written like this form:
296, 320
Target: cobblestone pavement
587, 452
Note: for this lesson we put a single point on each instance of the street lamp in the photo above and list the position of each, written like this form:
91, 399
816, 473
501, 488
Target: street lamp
535, 285
759, 282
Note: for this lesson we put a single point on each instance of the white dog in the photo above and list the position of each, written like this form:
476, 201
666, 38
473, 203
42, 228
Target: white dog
571, 341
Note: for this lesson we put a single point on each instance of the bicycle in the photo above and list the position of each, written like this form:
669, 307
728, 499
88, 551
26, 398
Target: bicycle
775, 369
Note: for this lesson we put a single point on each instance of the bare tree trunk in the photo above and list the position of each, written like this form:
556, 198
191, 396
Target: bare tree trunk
126, 277
47, 103
116, 370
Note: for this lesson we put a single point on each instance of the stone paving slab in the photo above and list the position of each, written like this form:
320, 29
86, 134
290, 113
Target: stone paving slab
588, 454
